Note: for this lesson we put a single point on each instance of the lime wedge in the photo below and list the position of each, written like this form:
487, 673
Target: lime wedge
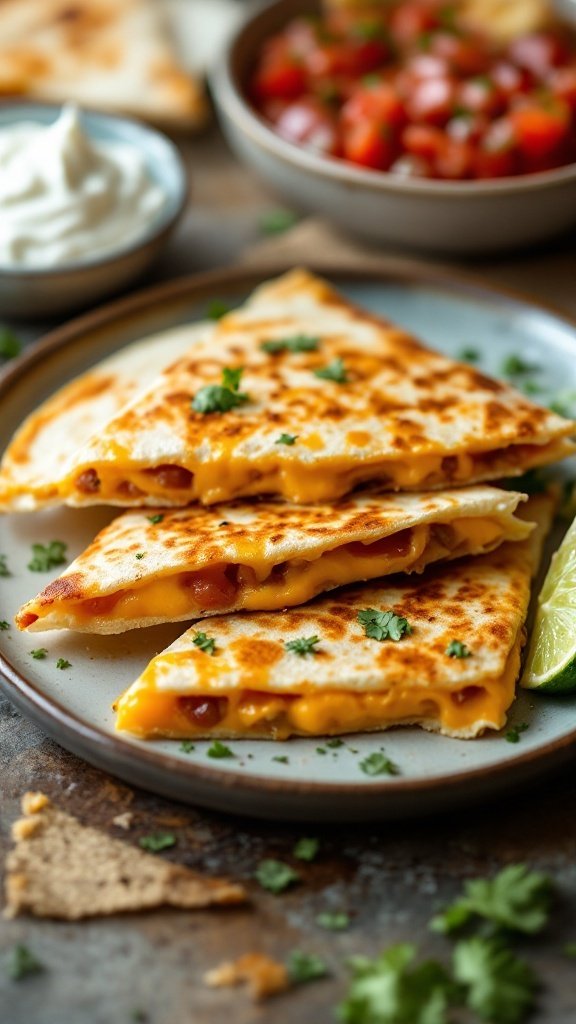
551, 662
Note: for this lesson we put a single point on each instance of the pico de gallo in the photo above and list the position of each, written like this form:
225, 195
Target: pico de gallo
408, 88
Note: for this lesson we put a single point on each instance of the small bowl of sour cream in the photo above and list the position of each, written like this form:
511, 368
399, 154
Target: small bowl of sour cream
87, 200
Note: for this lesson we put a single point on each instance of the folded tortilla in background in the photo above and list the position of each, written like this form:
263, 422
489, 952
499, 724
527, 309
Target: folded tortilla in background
360, 399
170, 566
241, 676
38, 455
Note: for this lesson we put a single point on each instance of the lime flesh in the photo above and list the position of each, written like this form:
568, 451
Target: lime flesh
551, 661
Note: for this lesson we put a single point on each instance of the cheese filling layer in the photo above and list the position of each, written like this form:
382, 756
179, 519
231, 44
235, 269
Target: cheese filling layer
228, 476
463, 711
270, 587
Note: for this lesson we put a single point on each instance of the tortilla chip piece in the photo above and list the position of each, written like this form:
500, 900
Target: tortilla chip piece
264, 976
61, 869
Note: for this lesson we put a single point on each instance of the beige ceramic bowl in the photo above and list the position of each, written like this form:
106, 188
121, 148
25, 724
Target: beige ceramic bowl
459, 217
30, 293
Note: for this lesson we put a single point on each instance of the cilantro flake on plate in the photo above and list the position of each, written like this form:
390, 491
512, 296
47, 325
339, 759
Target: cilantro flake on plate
4, 624
63, 663
187, 746
334, 371
275, 876
10, 344
218, 751
512, 735
333, 920
378, 764
304, 967
39, 653
21, 963
47, 556
306, 848
217, 309
157, 841
276, 222
4, 570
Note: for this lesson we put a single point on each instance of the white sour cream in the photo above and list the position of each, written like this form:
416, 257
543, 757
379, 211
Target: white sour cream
65, 198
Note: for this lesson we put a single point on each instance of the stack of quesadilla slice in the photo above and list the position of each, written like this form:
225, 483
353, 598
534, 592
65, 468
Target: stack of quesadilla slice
241, 460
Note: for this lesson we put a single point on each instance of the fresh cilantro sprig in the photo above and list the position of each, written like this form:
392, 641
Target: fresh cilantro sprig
303, 645
392, 990
378, 764
333, 920
218, 751
384, 625
512, 735
275, 876
294, 343
157, 841
204, 643
221, 397
500, 987
306, 848
47, 556
516, 899
21, 963
62, 663
287, 439
335, 371
515, 366
304, 967
4, 570
10, 344
40, 653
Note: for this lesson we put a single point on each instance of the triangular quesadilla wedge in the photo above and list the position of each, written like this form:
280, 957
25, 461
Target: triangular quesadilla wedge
188, 563
37, 456
441, 650
110, 54
300, 394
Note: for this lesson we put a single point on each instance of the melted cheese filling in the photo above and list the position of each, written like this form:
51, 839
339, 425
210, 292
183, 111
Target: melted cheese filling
228, 476
265, 586
464, 710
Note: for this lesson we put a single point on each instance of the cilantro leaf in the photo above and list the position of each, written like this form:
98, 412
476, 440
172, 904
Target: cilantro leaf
294, 343
287, 439
156, 518
63, 663
515, 366
187, 746
516, 898
305, 967
469, 355
275, 876
139, 555
334, 743
219, 750
221, 397
513, 734
4, 625
456, 649
21, 963
4, 570
204, 642
40, 653
303, 645
388, 990
281, 759
333, 920
335, 371
10, 344
378, 764
47, 556
383, 625
275, 222
306, 849
157, 841
500, 986
217, 309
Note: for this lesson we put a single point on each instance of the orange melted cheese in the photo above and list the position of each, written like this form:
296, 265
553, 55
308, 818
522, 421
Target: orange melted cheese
457, 710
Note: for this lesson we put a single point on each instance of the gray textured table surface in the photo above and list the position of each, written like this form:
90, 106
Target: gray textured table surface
390, 878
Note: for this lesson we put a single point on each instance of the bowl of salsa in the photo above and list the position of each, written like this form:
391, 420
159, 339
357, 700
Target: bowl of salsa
405, 124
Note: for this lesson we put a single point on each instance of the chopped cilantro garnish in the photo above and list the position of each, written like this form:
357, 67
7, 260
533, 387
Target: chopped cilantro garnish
275, 876
295, 343
220, 397
516, 899
320, 750
306, 848
187, 746
157, 841
499, 986
530, 387
383, 625
10, 344
287, 439
469, 355
63, 663
514, 366
40, 653
378, 764
217, 309
139, 554
275, 222
335, 371
21, 963
389, 990
335, 743
47, 556
333, 920
156, 518
4, 625
281, 759
513, 734
303, 645
4, 570
305, 967
219, 750
204, 642
456, 649
564, 404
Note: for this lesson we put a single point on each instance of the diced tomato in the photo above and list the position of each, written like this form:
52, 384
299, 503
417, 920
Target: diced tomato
310, 124
432, 101
562, 83
423, 140
374, 102
481, 96
410, 21
539, 52
408, 166
455, 159
285, 79
510, 79
465, 56
370, 144
497, 155
467, 127
303, 35
542, 131
426, 65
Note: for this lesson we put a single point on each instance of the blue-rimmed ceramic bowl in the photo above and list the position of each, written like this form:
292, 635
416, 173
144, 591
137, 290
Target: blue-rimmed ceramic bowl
45, 291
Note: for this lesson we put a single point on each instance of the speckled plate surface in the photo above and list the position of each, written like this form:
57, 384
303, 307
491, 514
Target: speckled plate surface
316, 782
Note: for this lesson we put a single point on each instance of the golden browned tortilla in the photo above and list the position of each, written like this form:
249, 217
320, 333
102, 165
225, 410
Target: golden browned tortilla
450, 664
172, 565
359, 399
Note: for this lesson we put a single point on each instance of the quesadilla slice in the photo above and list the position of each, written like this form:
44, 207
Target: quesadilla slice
183, 564
300, 394
37, 456
441, 651
105, 54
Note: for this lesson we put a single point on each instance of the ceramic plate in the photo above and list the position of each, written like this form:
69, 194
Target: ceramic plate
316, 782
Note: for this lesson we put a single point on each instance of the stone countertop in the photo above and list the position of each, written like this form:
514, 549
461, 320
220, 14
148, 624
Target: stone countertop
390, 878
